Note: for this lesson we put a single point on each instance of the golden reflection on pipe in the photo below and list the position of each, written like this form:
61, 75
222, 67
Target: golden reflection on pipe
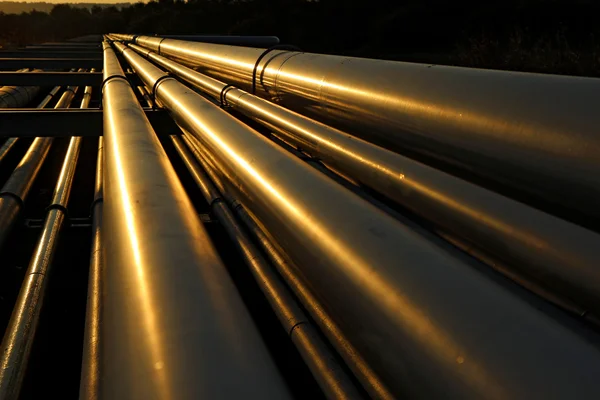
421, 327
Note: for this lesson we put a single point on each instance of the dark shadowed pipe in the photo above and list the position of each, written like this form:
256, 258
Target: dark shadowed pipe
561, 255
20, 333
15, 190
173, 324
531, 133
10, 142
316, 354
426, 322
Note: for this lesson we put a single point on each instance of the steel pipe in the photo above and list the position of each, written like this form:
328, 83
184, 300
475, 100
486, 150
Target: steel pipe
90, 367
17, 96
255, 41
561, 255
323, 365
173, 324
418, 315
529, 133
20, 333
289, 272
15, 190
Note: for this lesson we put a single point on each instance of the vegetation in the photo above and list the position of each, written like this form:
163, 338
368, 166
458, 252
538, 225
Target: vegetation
556, 36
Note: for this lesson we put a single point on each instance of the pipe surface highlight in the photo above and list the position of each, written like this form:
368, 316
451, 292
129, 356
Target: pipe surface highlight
561, 255
531, 133
173, 325
419, 316
20, 332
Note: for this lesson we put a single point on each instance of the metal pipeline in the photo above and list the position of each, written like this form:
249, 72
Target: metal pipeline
369, 380
8, 100
316, 354
418, 315
530, 133
20, 333
90, 367
561, 255
17, 96
255, 41
169, 309
15, 190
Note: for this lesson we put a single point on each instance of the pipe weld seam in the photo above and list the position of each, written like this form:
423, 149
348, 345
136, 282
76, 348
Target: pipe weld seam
14, 196
160, 80
59, 207
223, 94
110, 78
263, 54
96, 201
159, 43
296, 325
215, 201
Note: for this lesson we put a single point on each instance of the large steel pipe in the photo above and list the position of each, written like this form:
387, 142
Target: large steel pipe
324, 366
17, 187
428, 324
173, 324
561, 255
533, 133
20, 333
367, 377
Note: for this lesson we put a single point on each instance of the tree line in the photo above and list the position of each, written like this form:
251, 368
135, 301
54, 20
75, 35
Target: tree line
556, 36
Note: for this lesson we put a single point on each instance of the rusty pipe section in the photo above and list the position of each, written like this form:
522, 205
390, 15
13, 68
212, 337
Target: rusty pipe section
323, 365
20, 332
15, 190
561, 255
419, 316
528, 133
173, 324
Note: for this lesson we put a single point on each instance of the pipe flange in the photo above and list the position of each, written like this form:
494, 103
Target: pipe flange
110, 78
264, 53
222, 99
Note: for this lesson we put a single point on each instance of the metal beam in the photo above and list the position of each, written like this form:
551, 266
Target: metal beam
25, 122
50, 63
9, 78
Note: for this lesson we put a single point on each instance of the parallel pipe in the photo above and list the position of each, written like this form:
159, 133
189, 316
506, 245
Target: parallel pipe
90, 367
254, 41
561, 255
530, 133
289, 272
169, 309
418, 315
20, 333
316, 354
15, 190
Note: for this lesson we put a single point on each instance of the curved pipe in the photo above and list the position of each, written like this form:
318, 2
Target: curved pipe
428, 324
561, 255
20, 332
173, 324
531, 133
